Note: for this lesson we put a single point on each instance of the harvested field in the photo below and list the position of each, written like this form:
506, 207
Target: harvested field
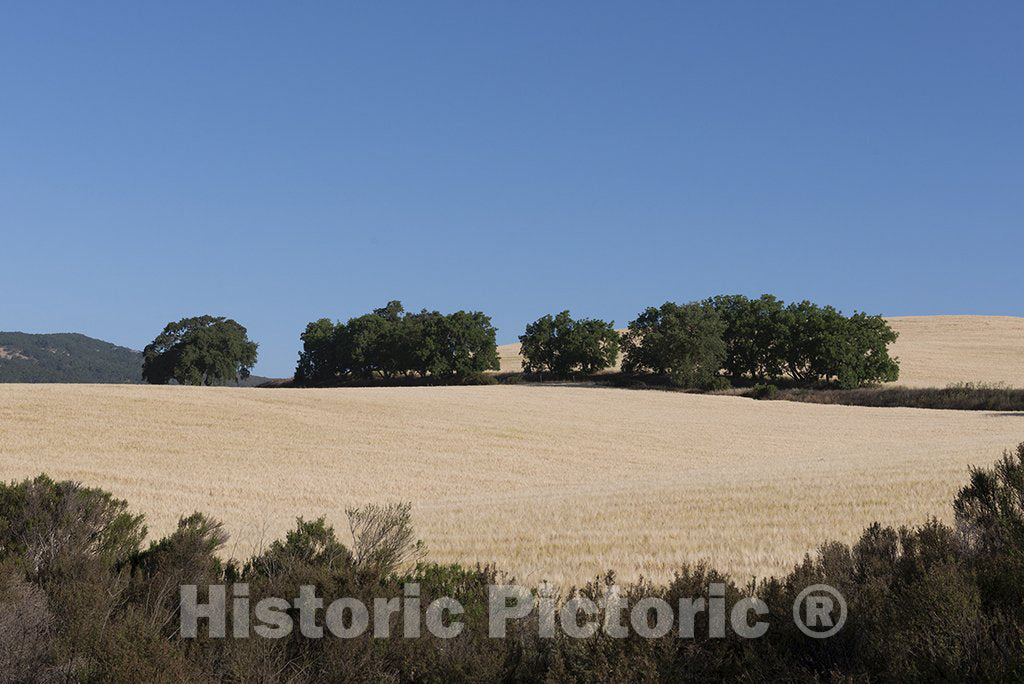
936, 351
549, 482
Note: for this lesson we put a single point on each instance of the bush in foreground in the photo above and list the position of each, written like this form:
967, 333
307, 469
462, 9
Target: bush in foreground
83, 601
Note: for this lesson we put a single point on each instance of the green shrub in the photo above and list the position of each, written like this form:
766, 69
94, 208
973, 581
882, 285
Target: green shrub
57, 527
479, 379
311, 543
718, 383
382, 537
990, 520
762, 391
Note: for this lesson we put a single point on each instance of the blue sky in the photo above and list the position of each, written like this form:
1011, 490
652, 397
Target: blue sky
281, 162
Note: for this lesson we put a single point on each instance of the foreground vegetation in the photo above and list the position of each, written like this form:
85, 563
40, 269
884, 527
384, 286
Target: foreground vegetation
83, 600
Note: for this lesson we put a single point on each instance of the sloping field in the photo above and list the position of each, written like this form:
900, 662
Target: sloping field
934, 351
556, 483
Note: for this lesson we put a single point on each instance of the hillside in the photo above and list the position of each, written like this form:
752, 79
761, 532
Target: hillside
547, 481
72, 358
66, 357
934, 351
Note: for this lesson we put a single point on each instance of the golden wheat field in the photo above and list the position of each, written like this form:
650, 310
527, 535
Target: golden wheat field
548, 482
934, 351
937, 350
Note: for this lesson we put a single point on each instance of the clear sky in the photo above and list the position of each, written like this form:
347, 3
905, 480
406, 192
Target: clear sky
280, 162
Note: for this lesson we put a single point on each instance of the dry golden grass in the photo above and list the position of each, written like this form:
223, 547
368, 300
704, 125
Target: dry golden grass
934, 351
548, 482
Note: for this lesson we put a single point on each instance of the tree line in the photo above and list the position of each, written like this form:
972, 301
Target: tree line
390, 342
702, 345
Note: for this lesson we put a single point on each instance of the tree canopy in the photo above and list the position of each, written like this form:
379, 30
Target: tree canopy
389, 342
820, 344
761, 339
562, 346
204, 350
754, 335
682, 342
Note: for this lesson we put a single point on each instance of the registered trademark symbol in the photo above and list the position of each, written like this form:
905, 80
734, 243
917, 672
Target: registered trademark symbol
823, 611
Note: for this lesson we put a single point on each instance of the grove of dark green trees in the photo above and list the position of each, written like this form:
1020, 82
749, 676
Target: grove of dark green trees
683, 343
767, 341
560, 346
704, 344
390, 342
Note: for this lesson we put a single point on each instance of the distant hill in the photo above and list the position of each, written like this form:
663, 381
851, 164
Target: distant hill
66, 357
71, 357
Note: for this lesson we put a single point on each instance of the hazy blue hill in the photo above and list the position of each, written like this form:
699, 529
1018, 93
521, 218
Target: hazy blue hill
66, 357
70, 357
